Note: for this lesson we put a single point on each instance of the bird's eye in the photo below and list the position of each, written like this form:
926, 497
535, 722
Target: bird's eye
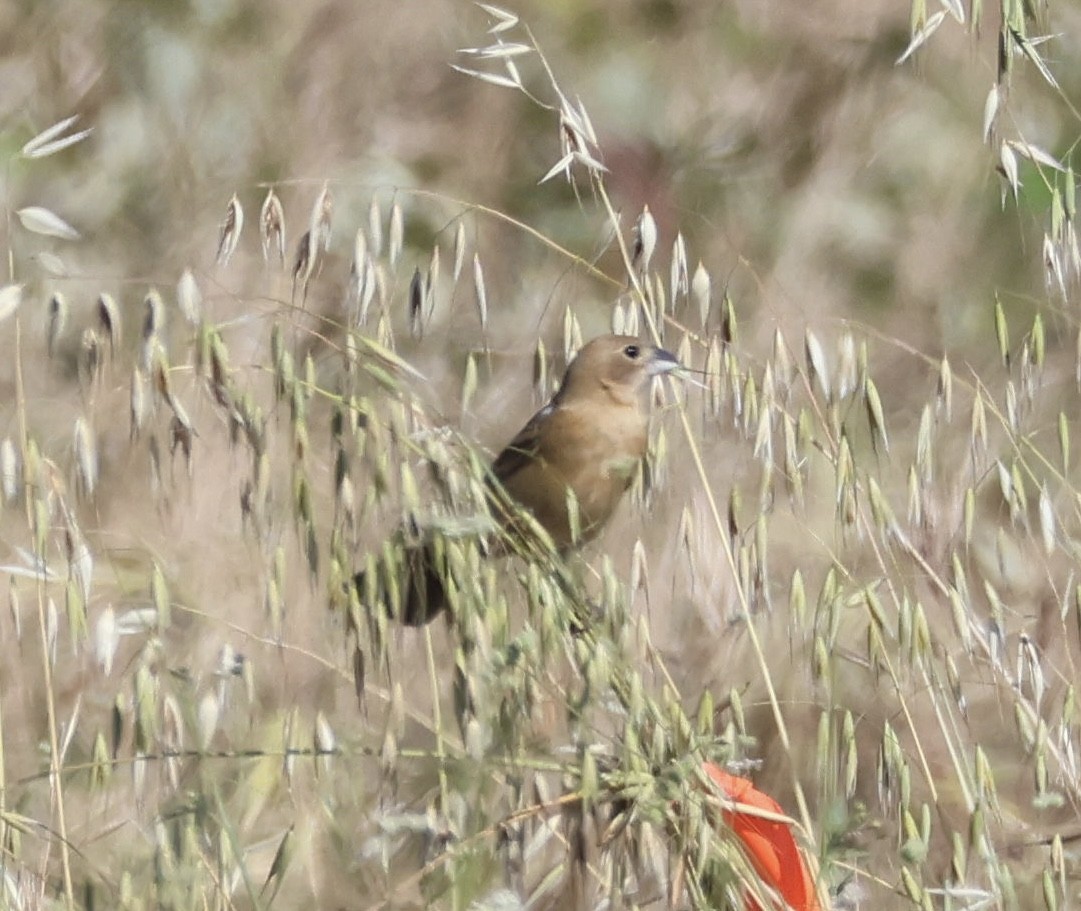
632, 351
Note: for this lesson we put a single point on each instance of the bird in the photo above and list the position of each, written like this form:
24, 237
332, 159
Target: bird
584, 446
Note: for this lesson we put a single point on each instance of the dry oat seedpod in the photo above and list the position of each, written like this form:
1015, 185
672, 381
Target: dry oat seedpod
91, 357
153, 320
397, 232
459, 249
189, 298
231, 227
416, 304
701, 292
272, 227
679, 280
86, 458
322, 212
817, 368
358, 268
303, 264
109, 319
482, 294
314, 243
645, 241
58, 319
431, 282
375, 227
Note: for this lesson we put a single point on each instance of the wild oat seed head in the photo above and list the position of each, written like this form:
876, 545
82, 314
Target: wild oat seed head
272, 227
231, 227
189, 298
58, 319
109, 319
645, 240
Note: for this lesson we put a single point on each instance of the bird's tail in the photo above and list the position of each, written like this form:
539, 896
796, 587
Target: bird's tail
411, 585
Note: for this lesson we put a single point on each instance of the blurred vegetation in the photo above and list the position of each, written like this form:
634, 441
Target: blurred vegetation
849, 570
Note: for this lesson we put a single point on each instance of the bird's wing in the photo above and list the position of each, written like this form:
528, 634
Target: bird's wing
523, 449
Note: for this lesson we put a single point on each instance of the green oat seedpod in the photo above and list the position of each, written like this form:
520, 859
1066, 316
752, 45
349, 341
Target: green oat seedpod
729, 329
959, 857
881, 512
1058, 215
275, 608
1017, 486
944, 390
978, 429
1069, 706
823, 738
912, 887
1040, 772
1058, 861
1050, 894
75, 610
985, 779
749, 400
797, 599
820, 661
1039, 342
961, 623
874, 608
101, 766
879, 436
145, 701
851, 749
705, 714
1002, 333
736, 702
1077, 606
159, 596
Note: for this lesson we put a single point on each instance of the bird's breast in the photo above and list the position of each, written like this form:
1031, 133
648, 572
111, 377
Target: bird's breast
594, 454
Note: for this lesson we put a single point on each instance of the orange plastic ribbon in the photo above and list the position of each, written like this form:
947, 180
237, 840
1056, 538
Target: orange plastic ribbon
769, 844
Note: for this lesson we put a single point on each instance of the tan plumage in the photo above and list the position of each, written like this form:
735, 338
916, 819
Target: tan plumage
588, 440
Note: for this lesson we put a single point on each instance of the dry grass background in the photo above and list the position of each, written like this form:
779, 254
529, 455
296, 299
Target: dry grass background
915, 658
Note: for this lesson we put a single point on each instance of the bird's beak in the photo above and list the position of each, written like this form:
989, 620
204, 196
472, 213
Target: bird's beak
662, 362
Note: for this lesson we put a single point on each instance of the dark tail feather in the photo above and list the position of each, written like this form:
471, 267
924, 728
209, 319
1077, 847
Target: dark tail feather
421, 586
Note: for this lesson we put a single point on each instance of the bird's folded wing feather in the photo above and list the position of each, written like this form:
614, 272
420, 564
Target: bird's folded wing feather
523, 449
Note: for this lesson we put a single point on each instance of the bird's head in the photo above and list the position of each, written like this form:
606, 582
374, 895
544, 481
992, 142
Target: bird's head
617, 365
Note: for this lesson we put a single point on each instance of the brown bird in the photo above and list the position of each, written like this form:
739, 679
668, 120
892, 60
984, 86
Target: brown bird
587, 441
